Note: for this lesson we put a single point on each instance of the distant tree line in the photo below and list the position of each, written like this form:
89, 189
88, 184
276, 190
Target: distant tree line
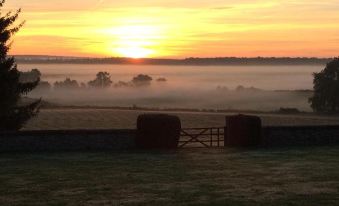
239, 88
101, 81
187, 61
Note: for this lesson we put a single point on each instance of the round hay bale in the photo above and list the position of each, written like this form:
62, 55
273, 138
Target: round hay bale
243, 131
158, 131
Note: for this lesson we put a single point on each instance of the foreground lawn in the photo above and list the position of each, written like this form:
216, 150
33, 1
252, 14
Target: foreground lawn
299, 176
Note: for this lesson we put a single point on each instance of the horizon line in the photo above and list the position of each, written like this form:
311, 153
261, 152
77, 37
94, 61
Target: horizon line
183, 58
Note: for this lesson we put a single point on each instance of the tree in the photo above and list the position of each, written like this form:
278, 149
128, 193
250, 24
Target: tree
142, 80
122, 84
12, 114
102, 80
161, 79
83, 85
30, 76
240, 88
43, 86
326, 88
67, 84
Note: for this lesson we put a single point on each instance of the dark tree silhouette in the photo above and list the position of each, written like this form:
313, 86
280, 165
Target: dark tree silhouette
161, 79
83, 85
12, 114
43, 86
122, 84
142, 80
326, 88
30, 76
240, 88
102, 80
67, 84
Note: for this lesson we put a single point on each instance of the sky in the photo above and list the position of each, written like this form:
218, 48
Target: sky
178, 28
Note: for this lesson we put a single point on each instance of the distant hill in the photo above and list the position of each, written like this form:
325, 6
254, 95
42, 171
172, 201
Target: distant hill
40, 59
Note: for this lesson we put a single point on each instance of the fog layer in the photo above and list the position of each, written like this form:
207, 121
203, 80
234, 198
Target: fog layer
211, 87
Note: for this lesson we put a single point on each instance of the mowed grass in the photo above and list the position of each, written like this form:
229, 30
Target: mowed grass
297, 176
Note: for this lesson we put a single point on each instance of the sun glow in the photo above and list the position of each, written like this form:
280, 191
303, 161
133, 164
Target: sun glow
178, 29
135, 52
135, 41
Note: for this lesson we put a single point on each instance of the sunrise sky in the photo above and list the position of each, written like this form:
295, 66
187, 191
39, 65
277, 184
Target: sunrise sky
178, 28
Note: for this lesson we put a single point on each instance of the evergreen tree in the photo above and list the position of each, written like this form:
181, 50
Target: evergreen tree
14, 112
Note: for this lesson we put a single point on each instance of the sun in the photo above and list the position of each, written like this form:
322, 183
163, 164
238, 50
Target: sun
135, 52
135, 41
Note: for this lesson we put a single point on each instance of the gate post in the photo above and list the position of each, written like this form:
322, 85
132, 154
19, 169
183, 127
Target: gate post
243, 131
158, 131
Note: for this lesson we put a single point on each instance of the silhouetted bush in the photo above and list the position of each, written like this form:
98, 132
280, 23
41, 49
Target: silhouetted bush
158, 131
326, 88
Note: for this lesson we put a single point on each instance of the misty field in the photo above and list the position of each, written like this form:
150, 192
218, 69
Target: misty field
54, 119
300, 176
249, 87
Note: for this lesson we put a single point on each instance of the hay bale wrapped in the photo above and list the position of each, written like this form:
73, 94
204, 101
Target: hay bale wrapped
243, 131
158, 131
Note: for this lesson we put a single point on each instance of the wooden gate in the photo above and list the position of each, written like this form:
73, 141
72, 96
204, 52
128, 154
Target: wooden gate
202, 137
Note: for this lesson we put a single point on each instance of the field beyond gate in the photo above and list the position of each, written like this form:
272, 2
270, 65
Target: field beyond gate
202, 137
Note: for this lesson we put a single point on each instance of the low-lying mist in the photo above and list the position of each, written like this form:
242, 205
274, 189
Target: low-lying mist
177, 87
162, 96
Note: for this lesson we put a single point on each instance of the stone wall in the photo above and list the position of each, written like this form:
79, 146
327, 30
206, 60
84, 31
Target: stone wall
74, 140
115, 140
300, 136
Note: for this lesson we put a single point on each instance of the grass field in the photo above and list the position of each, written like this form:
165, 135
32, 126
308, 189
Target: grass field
300, 176
122, 119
